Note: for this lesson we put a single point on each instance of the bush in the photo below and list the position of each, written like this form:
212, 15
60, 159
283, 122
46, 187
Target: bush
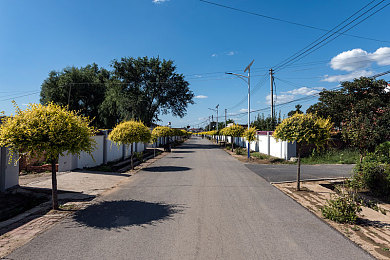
239, 151
343, 209
373, 176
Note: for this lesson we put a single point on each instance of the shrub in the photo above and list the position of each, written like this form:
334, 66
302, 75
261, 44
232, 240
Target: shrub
343, 209
373, 176
239, 151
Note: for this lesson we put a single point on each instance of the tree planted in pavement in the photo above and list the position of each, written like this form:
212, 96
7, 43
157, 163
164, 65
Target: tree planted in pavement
130, 132
304, 129
48, 130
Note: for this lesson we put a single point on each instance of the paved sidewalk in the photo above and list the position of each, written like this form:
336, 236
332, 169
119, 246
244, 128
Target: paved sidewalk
80, 187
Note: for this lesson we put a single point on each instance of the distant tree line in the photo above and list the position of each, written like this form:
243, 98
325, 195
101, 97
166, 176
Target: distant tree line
135, 88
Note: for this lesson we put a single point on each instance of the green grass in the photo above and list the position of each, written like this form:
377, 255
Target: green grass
269, 158
347, 156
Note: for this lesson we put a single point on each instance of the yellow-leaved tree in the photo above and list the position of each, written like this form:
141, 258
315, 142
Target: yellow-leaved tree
48, 130
130, 132
250, 135
304, 129
233, 131
163, 131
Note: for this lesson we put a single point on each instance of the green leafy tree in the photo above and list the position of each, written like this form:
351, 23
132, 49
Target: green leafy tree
130, 132
47, 131
233, 131
297, 110
266, 123
304, 129
361, 96
148, 87
83, 89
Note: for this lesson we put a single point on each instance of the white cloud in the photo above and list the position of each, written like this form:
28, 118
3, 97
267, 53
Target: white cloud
201, 96
351, 60
357, 59
230, 53
350, 76
159, 1
214, 55
382, 56
242, 110
278, 99
304, 91
357, 62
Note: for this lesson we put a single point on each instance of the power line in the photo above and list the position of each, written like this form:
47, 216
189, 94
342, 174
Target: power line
287, 21
318, 41
20, 96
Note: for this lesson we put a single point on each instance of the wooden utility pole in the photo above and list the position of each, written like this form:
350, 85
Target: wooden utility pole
271, 74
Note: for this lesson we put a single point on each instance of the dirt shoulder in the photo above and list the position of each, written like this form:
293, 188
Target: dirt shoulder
372, 231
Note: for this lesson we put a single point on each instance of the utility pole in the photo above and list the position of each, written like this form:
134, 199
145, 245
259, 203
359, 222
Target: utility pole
225, 118
217, 115
271, 74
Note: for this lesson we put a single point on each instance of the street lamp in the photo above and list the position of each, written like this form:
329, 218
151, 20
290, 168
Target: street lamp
248, 68
216, 109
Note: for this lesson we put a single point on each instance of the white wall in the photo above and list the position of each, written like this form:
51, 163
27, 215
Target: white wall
267, 144
9, 171
86, 160
114, 151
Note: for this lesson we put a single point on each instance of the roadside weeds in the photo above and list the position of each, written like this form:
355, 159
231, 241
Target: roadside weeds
371, 232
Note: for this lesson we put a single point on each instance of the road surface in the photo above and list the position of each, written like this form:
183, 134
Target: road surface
196, 203
288, 172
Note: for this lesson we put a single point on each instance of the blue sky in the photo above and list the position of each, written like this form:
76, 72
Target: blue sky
204, 41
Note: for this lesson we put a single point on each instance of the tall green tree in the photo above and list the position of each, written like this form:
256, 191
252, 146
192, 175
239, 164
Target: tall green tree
303, 129
297, 110
47, 131
148, 87
266, 123
360, 96
83, 89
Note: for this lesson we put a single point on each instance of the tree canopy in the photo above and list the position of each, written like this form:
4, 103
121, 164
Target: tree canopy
130, 132
304, 128
83, 89
149, 87
48, 130
361, 96
135, 88
297, 110
250, 134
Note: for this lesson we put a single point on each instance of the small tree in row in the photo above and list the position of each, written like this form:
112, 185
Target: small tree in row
48, 130
165, 132
130, 132
233, 131
304, 129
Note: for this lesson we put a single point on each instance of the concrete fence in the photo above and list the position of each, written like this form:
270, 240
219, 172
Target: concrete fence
105, 151
265, 143
9, 172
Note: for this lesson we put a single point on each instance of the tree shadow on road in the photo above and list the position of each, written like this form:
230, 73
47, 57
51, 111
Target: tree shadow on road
167, 169
124, 213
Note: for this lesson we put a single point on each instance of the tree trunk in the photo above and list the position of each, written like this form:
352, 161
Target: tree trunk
131, 157
54, 197
299, 169
232, 143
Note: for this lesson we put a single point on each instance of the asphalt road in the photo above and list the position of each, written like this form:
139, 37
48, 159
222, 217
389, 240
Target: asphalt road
288, 172
196, 203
